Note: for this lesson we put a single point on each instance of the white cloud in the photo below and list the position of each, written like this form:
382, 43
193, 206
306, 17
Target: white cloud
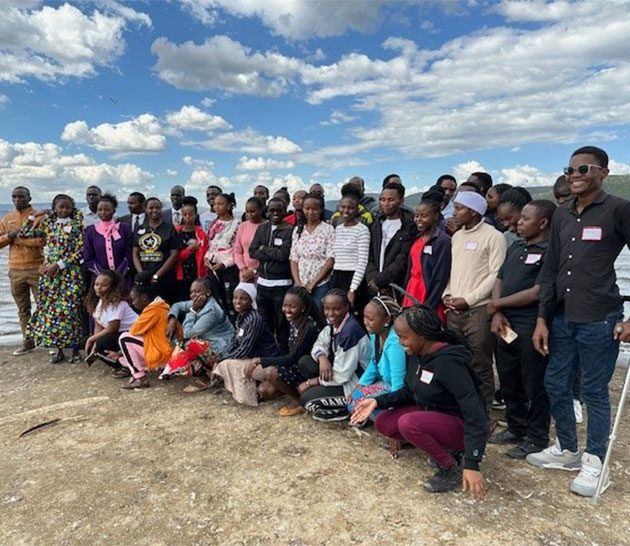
261, 164
138, 135
191, 118
4, 100
617, 167
58, 42
202, 177
537, 10
207, 102
46, 170
222, 63
526, 175
462, 171
251, 142
295, 19
171, 172
337, 117
188, 160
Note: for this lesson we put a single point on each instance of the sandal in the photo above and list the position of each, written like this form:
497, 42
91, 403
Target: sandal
194, 387
142, 383
290, 411
57, 358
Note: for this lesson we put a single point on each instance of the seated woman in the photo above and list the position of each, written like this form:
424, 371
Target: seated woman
440, 408
145, 346
202, 319
252, 338
107, 303
330, 372
386, 369
280, 374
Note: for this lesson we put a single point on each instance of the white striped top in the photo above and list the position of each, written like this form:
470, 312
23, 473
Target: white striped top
351, 249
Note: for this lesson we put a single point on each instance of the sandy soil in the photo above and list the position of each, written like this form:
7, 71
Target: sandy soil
158, 467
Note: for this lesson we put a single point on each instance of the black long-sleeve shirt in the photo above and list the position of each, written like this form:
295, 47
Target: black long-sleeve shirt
300, 344
578, 275
444, 381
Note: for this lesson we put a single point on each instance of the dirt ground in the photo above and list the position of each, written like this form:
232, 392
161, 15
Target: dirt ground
158, 467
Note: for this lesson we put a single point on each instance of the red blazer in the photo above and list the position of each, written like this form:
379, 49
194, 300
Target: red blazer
185, 253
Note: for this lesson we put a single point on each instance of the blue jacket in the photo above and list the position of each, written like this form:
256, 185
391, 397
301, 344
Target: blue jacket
391, 367
210, 323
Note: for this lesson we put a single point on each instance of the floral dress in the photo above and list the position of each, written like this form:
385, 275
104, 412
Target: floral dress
57, 319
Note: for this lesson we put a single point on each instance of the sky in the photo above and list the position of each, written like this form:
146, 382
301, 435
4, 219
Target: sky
143, 95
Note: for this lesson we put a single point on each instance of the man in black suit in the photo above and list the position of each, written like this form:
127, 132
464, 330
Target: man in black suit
136, 216
174, 215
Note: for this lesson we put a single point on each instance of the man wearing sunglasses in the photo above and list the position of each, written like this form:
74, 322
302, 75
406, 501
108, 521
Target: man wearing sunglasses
580, 316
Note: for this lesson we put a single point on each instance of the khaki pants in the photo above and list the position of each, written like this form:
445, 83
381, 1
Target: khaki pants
23, 282
474, 325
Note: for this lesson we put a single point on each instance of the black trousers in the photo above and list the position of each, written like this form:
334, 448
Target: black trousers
223, 285
522, 371
328, 400
269, 301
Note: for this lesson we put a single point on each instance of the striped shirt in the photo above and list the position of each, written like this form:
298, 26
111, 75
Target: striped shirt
351, 250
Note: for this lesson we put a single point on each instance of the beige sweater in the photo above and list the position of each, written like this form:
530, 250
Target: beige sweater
478, 253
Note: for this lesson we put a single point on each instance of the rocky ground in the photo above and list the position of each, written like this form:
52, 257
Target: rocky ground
158, 467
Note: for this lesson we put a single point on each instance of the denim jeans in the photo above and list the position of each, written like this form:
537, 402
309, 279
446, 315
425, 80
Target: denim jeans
319, 292
591, 347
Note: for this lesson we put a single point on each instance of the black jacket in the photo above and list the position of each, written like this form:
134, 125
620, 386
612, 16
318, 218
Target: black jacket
396, 252
436, 267
444, 381
272, 250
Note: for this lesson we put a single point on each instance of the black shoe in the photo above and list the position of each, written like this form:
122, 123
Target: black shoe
506, 437
445, 479
523, 450
330, 416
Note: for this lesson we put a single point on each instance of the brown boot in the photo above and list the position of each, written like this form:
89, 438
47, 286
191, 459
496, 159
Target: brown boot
140, 383
26, 347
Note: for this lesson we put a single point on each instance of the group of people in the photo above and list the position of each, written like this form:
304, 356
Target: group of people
373, 312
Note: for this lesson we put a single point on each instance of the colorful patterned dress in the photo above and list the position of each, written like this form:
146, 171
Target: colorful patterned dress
57, 319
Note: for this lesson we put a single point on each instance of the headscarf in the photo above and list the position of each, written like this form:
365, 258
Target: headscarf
250, 290
472, 200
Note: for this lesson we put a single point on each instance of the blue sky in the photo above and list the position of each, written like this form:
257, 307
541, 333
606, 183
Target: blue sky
145, 95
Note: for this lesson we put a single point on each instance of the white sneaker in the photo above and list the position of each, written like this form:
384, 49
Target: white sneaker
556, 457
585, 483
577, 409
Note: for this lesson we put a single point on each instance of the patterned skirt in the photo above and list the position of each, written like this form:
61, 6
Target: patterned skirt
370, 391
57, 318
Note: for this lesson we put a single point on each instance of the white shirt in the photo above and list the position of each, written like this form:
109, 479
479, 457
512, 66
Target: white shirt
89, 218
122, 312
206, 219
141, 217
389, 229
176, 216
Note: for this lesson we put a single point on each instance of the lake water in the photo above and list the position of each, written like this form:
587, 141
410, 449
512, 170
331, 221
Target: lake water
10, 326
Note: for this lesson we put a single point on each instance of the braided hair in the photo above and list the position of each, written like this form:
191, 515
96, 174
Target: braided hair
517, 196
425, 322
311, 311
387, 305
338, 293
63, 197
143, 285
301, 222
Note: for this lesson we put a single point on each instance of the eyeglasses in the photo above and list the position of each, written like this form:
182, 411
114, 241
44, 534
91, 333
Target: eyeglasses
582, 169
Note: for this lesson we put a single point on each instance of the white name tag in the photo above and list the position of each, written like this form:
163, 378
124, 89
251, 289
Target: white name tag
277, 241
592, 233
142, 231
241, 332
426, 377
472, 245
533, 259
428, 250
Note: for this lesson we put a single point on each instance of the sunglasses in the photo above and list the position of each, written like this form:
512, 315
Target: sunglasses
582, 169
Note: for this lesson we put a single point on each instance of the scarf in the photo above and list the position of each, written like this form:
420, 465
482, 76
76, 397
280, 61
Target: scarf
110, 232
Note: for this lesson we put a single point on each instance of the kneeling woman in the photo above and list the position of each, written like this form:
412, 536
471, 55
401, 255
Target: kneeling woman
440, 408
339, 356
145, 346
252, 339
203, 321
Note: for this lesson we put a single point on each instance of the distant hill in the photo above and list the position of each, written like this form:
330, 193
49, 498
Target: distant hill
618, 184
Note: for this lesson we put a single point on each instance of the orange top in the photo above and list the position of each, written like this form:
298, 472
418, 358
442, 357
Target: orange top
23, 253
151, 325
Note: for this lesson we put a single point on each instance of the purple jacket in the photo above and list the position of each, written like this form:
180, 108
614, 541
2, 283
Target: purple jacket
94, 255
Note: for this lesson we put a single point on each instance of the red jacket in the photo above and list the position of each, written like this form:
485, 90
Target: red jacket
185, 253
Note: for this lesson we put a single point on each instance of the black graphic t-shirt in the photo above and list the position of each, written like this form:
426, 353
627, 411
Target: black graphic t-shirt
155, 244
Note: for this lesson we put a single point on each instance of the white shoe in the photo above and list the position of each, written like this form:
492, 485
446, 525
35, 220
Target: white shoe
585, 483
577, 409
556, 457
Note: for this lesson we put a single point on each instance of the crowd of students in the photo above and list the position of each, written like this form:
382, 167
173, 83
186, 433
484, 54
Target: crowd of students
371, 313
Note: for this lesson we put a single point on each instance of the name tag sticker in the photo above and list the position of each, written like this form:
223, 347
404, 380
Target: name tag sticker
472, 245
142, 231
428, 250
241, 332
277, 241
67, 228
533, 259
592, 233
426, 377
